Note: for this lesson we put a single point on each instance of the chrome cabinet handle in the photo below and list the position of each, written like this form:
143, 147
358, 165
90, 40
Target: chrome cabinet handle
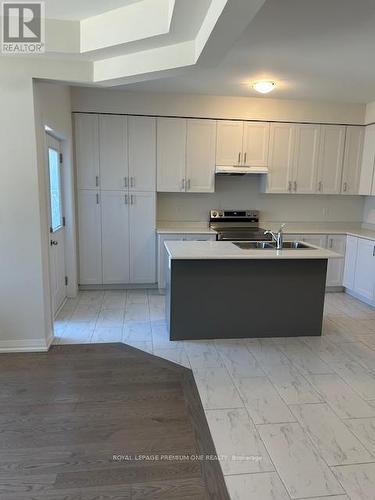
132, 199
183, 182
295, 186
188, 185
126, 182
345, 187
126, 199
132, 182
290, 186
373, 252
97, 198
97, 181
330, 243
320, 186
245, 157
239, 157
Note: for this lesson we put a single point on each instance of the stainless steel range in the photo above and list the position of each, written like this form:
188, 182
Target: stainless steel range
237, 225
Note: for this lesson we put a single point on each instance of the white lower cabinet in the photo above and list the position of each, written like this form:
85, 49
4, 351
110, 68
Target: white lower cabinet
359, 276
115, 237
335, 270
162, 253
364, 281
89, 237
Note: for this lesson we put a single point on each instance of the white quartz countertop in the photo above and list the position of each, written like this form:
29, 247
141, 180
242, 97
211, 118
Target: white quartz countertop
185, 250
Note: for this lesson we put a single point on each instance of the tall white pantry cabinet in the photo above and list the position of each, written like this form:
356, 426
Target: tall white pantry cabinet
116, 180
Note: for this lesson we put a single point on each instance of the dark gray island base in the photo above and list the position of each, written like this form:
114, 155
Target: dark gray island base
224, 299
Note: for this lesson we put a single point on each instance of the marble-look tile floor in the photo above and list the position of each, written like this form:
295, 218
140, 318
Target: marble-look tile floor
291, 418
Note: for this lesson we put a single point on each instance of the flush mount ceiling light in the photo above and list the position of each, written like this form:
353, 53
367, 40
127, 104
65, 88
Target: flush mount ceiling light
264, 87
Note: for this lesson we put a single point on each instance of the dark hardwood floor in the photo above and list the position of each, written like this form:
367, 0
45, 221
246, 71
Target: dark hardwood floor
75, 422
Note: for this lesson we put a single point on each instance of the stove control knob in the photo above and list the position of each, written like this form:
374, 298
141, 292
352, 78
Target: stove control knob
215, 214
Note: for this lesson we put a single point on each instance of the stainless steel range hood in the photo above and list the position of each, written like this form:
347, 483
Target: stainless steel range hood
239, 170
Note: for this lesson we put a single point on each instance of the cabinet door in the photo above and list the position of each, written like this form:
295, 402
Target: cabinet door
163, 256
350, 262
200, 156
87, 151
142, 238
171, 154
89, 238
364, 281
113, 152
281, 156
335, 271
332, 142
255, 143
367, 166
306, 159
142, 153
229, 143
352, 160
115, 237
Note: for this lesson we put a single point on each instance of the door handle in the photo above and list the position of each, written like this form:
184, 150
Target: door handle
54, 243
97, 198
97, 181
345, 187
295, 186
245, 157
132, 182
126, 199
183, 182
290, 186
373, 252
125, 182
132, 199
239, 157
320, 186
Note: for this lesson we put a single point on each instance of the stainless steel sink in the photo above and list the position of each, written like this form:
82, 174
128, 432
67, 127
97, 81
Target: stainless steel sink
270, 245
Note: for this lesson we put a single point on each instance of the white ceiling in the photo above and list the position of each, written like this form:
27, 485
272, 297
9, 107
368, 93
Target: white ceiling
313, 49
75, 10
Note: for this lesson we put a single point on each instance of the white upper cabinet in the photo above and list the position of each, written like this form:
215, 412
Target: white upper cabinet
229, 143
142, 153
242, 143
200, 156
87, 150
89, 237
255, 143
306, 159
332, 142
281, 158
171, 154
142, 238
115, 236
352, 160
113, 152
366, 185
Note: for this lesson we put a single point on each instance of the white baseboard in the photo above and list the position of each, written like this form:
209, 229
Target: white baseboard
26, 345
360, 297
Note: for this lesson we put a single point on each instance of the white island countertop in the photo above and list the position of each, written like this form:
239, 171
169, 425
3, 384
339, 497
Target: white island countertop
207, 250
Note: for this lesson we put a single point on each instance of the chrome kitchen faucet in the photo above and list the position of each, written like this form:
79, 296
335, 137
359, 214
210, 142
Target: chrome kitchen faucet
277, 237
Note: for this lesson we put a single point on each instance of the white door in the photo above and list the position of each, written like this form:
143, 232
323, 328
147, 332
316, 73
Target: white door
350, 262
332, 142
113, 152
142, 153
281, 157
115, 236
256, 140
142, 225
368, 161
335, 271
306, 159
87, 150
229, 142
200, 156
364, 281
57, 224
352, 160
89, 237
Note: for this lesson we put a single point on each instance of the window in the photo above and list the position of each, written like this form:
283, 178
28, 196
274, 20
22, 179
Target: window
55, 189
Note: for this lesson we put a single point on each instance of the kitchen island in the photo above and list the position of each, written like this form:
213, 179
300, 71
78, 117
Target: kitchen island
218, 289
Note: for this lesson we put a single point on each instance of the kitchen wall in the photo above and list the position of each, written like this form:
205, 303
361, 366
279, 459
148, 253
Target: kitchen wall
243, 192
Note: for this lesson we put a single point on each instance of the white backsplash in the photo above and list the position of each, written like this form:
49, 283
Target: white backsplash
243, 193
